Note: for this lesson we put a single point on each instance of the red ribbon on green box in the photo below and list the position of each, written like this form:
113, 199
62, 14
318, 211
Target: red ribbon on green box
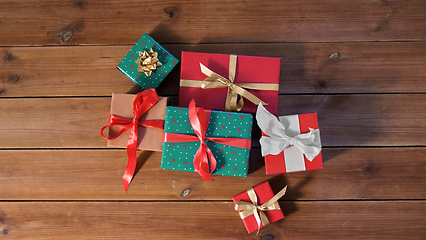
204, 160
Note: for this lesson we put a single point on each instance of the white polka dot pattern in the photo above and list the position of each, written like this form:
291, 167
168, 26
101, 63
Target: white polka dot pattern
231, 161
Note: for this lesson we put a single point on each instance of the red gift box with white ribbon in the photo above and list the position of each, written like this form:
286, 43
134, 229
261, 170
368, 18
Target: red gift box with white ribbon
289, 143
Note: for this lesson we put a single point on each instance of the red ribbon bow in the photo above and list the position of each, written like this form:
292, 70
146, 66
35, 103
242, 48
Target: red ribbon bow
204, 160
142, 103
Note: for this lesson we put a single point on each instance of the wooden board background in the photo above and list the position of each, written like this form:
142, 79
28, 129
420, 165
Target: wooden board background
359, 64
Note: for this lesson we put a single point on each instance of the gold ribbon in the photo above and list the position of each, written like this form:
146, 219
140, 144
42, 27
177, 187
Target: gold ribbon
148, 62
236, 92
248, 209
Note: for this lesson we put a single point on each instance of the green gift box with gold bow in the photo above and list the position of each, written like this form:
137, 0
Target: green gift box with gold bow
147, 63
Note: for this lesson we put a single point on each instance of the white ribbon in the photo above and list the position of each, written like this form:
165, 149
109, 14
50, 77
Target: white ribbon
278, 140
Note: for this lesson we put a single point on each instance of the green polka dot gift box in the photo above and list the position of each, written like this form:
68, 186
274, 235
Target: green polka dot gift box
147, 63
223, 128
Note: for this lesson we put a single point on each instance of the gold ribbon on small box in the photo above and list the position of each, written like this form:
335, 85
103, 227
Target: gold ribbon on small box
236, 91
252, 208
148, 62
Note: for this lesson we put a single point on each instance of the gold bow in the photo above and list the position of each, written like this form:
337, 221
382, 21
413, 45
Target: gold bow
235, 90
248, 209
148, 62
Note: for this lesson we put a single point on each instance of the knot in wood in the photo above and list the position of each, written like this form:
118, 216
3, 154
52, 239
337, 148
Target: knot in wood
171, 13
334, 56
367, 169
185, 192
8, 56
13, 78
80, 4
67, 36
322, 84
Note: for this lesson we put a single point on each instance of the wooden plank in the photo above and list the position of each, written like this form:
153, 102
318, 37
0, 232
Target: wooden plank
348, 173
210, 220
344, 120
60, 122
363, 120
360, 67
49, 22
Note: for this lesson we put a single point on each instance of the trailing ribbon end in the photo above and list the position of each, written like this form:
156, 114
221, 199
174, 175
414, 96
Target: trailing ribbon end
142, 103
126, 184
127, 177
206, 176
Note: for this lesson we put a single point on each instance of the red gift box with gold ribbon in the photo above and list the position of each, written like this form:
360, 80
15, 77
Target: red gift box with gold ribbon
258, 206
229, 82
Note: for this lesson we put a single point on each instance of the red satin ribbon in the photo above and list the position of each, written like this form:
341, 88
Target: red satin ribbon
199, 119
142, 103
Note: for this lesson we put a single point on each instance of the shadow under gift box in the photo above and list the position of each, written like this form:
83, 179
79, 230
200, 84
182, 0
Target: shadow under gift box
249, 69
231, 161
148, 138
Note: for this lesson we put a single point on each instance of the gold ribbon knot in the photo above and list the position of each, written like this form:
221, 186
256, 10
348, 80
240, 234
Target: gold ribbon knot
248, 209
148, 62
236, 91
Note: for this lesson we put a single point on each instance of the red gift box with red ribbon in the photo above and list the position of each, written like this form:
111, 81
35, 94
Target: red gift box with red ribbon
231, 76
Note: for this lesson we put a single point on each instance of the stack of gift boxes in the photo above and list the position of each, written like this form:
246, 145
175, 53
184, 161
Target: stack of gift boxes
210, 130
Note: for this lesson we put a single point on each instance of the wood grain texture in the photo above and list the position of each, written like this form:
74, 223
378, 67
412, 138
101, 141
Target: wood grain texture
209, 220
344, 120
360, 67
364, 173
359, 64
53, 22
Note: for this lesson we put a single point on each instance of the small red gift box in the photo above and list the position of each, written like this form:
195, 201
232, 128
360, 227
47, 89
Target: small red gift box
264, 193
255, 76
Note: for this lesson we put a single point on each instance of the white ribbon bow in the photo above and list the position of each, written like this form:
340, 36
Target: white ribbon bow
278, 140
